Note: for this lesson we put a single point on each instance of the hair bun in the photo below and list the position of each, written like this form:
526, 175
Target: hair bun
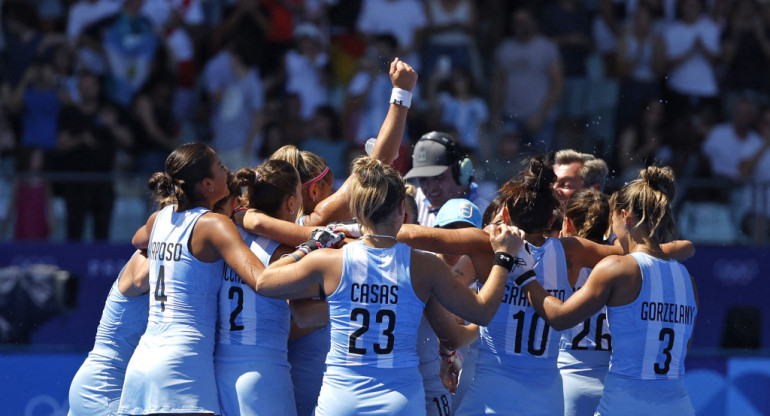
660, 179
539, 175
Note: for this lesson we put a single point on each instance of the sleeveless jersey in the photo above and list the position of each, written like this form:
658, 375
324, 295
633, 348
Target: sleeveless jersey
591, 335
650, 335
307, 356
252, 370
584, 357
374, 313
517, 331
181, 285
246, 318
96, 387
438, 400
123, 323
518, 339
172, 369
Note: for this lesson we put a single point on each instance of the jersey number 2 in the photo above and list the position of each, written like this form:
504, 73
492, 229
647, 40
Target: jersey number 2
379, 317
236, 291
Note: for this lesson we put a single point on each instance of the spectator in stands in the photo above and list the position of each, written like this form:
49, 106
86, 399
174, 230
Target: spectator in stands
368, 94
279, 33
162, 13
756, 169
568, 24
575, 171
644, 141
687, 53
461, 108
31, 209
233, 83
306, 68
450, 35
729, 144
63, 62
177, 22
528, 81
325, 139
510, 153
38, 100
24, 41
746, 52
89, 134
402, 19
638, 78
154, 125
87, 12
129, 44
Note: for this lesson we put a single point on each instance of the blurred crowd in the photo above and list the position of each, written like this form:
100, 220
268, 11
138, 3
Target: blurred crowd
111, 86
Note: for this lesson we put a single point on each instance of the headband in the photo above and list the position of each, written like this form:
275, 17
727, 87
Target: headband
317, 178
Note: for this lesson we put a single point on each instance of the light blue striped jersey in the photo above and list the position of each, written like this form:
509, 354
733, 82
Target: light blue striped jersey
374, 313
584, 336
246, 318
650, 334
182, 288
517, 335
123, 322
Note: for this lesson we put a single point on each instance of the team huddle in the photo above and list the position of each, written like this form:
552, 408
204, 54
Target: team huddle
266, 292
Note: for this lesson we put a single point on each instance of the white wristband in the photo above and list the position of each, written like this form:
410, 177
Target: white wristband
401, 97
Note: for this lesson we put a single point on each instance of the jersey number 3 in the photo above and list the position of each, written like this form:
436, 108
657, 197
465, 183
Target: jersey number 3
379, 317
665, 333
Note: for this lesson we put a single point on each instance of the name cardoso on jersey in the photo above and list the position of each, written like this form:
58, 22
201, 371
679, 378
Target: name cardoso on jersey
166, 251
667, 312
514, 295
231, 276
372, 293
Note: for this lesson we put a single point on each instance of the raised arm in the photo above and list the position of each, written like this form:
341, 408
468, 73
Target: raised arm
335, 207
391, 133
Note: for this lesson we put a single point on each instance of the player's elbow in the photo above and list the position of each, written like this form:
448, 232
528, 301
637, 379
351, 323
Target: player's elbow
559, 324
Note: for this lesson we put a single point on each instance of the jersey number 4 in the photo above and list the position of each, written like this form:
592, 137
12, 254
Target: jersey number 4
363, 314
160, 289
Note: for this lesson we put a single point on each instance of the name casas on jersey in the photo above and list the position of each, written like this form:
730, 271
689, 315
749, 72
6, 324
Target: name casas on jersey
372, 293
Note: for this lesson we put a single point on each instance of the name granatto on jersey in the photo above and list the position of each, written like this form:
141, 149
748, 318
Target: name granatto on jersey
514, 295
667, 312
